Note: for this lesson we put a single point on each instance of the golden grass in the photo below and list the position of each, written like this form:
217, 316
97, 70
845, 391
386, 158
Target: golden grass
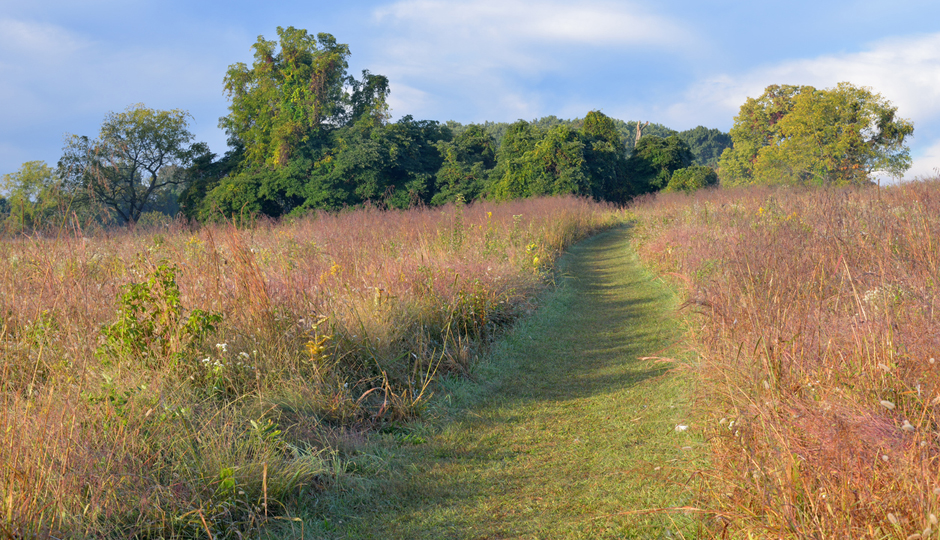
330, 324
816, 317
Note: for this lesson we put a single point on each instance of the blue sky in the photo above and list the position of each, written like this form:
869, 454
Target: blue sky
64, 64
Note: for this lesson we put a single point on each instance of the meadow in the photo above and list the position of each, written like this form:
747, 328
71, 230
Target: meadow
180, 381
815, 317
184, 381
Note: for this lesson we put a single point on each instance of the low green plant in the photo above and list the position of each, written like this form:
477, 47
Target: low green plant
151, 322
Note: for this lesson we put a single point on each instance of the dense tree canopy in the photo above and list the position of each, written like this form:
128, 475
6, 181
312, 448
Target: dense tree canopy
801, 135
655, 159
468, 161
692, 178
304, 135
590, 161
706, 144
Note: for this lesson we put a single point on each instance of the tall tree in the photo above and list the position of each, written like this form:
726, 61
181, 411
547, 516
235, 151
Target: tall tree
298, 123
605, 158
291, 92
801, 135
138, 153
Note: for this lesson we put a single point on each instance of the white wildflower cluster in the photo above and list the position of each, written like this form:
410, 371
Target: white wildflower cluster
241, 360
880, 295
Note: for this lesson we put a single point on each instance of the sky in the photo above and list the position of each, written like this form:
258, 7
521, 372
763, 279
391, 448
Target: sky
65, 64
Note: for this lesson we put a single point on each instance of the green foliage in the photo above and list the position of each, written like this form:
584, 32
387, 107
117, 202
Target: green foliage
257, 191
204, 175
290, 94
151, 324
655, 159
706, 144
801, 135
140, 153
34, 197
605, 158
468, 162
306, 135
390, 163
532, 162
590, 161
692, 178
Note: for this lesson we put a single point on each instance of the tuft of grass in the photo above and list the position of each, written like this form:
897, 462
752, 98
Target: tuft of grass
816, 318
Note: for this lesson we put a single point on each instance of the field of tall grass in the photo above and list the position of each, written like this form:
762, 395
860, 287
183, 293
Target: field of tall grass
816, 314
183, 382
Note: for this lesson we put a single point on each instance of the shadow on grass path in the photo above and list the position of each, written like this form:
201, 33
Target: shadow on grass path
566, 434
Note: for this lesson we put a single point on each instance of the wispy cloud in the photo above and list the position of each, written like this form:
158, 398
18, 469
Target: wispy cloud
585, 23
906, 71
494, 52
926, 162
58, 80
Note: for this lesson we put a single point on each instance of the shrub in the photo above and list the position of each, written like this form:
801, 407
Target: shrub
692, 178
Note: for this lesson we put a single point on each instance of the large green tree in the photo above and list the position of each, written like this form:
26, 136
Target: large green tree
292, 91
605, 157
299, 126
138, 153
802, 135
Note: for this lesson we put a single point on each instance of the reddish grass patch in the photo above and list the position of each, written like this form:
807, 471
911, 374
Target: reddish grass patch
331, 325
816, 316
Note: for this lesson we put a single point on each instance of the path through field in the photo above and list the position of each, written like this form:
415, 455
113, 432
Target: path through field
567, 434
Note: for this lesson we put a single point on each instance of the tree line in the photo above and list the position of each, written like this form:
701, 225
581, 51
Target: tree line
304, 134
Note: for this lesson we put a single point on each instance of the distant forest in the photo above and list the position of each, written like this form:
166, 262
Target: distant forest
706, 144
305, 135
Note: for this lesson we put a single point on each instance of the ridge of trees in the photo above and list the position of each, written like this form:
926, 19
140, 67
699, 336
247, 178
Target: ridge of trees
303, 134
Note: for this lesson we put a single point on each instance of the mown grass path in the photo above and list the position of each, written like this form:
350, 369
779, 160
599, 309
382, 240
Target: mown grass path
566, 434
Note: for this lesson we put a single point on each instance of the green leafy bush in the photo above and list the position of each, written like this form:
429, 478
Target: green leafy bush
692, 178
151, 324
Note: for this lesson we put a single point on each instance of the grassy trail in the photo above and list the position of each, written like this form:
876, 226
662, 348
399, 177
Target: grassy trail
565, 433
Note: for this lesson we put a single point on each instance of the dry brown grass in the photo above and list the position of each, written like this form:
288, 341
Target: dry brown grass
817, 316
330, 325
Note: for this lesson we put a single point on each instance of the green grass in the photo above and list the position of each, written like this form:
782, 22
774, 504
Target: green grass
563, 433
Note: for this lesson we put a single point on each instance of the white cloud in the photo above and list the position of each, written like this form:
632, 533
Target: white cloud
36, 41
586, 23
491, 55
906, 71
926, 163
49, 71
